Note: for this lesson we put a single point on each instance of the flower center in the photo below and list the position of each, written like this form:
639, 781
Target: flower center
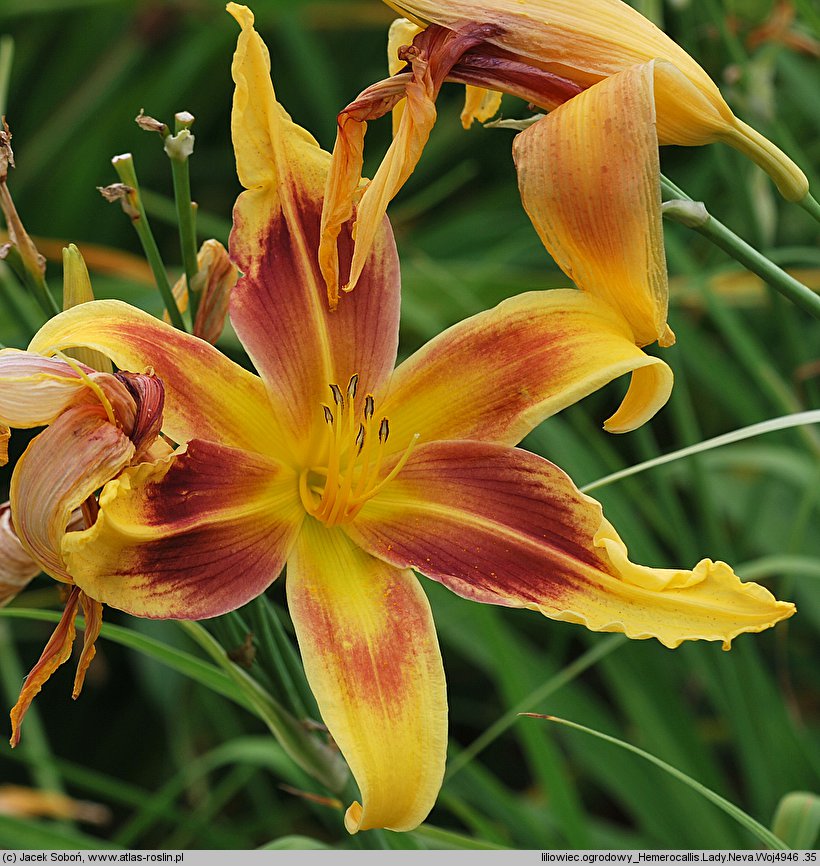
355, 446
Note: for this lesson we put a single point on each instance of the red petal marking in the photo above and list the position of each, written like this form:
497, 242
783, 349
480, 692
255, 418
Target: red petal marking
193, 537
371, 657
495, 69
494, 524
279, 310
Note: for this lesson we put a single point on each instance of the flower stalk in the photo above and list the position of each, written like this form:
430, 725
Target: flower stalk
20, 253
179, 147
738, 249
129, 197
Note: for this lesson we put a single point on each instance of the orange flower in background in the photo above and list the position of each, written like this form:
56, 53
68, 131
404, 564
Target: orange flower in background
355, 473
545, 51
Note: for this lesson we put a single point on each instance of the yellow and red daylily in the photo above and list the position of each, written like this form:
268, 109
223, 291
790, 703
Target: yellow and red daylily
354, 473
96, 423
545, 51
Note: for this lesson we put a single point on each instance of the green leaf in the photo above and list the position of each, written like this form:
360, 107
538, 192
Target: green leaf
797, 419
179, 660
763, 834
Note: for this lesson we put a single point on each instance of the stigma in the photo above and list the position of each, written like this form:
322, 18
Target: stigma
353, 453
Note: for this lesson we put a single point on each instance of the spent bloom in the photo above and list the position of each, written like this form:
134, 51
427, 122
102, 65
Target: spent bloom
545, 51
354, 473
96, 424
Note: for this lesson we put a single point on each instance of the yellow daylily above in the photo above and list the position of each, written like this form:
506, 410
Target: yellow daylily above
356, 474
544, 51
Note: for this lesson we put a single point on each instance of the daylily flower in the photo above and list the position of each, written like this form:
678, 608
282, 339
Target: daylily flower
545, 51
354, 474
98, 424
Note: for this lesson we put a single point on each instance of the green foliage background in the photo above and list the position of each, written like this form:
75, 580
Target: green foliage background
178, 763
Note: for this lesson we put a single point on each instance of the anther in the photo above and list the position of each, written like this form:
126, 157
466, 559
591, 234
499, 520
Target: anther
328, 414
369, 407
352, 385
384, 430
338, 399
360, 439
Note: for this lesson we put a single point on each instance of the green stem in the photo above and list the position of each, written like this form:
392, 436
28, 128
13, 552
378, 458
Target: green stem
747, 255
124, 166
179, 148
6, 59
186, 217
811, 205
32, 280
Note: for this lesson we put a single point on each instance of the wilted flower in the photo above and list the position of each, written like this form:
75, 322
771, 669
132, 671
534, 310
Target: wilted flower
545, 51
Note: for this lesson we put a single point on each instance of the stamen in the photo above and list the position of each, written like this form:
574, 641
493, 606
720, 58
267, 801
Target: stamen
395, 470
348, 476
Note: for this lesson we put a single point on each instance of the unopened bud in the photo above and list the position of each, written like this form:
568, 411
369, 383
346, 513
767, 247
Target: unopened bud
215, 279
77, 290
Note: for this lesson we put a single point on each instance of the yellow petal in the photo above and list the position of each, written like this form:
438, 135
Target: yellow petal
207, 395
372, 659
502, 526
528, 358
191, 537
402, 32
5, 435
590, 181
479, 104
279, 308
